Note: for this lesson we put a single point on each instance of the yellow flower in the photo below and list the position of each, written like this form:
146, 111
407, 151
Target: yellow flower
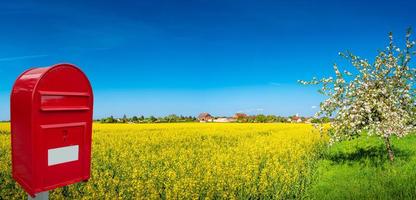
188, 161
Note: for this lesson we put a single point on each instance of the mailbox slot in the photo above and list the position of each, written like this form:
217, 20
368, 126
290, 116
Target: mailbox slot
63, 101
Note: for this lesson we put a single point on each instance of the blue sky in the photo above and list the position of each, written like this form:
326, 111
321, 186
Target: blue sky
186, 57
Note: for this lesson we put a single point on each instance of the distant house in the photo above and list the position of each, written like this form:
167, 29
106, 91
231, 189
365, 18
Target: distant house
308, 120
296, 119
205, 117
224, 120
240, 115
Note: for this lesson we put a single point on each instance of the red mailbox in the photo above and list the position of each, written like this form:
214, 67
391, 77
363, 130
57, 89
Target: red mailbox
51, 124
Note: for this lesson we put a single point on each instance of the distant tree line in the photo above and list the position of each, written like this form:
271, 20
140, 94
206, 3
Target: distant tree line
150, 119
175, 119
278, 119
321, 120
262, 119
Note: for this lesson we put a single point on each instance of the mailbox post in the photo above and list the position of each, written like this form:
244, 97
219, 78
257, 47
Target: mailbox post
51, 128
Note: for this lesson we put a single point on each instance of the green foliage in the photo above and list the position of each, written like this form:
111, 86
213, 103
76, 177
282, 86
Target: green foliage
152, 119
261, 118
135, 119
108, 120
321, 120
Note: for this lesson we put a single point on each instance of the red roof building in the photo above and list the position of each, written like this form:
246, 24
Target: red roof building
240, 115
205, 117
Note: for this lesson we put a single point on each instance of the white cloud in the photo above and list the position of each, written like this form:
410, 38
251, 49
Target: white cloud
313, 107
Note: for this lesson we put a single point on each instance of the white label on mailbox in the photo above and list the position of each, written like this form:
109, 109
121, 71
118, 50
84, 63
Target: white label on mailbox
62, 155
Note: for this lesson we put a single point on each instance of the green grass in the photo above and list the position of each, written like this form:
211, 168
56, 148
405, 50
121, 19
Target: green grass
359, 169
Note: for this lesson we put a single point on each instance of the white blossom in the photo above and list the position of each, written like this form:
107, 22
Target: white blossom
377, 99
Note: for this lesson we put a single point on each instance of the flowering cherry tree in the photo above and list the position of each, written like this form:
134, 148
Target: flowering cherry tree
377, 99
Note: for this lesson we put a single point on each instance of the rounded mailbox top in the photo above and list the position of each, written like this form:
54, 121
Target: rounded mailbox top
57, 78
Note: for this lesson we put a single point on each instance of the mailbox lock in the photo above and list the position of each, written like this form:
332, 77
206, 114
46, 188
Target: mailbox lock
65, 133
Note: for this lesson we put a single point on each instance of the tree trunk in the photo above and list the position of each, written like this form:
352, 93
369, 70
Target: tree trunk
388, 147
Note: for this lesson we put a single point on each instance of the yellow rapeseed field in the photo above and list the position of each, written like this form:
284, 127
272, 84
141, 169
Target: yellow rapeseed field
188, 161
